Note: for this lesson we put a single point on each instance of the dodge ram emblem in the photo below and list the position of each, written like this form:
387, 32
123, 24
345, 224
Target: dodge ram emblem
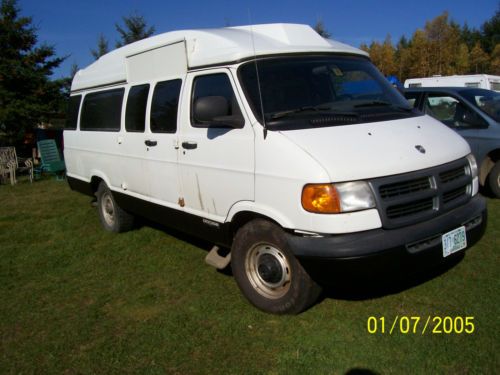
420, 148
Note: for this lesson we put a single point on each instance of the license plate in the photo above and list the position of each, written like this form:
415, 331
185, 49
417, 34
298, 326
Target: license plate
454, 241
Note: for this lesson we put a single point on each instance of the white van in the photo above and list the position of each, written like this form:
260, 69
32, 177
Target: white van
483, 81
288, 151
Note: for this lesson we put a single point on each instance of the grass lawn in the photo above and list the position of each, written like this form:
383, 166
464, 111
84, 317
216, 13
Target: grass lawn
76, 299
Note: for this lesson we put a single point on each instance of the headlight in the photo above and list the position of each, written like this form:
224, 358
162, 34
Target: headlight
337, 198
472, 165
474, 174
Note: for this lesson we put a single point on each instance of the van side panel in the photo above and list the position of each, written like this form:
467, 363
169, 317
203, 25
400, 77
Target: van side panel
164, 61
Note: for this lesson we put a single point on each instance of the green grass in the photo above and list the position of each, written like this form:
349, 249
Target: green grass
76, 299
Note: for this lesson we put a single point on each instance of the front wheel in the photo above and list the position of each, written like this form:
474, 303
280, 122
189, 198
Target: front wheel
267, 272
494, 179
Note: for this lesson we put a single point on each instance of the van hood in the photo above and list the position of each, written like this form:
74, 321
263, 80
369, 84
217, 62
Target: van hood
376, 149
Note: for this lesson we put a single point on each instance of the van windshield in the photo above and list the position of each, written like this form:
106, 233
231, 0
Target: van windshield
486, 100
316, 91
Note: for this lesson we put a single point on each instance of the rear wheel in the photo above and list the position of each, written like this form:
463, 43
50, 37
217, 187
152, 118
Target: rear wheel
113, 218
494, 179
267, 272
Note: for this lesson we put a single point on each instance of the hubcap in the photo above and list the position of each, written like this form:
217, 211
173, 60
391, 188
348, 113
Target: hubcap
108, 209
268, 271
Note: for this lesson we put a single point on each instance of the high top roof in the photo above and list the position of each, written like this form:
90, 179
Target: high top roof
214, 46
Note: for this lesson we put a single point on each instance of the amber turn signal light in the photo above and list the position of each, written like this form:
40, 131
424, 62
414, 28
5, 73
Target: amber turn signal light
321, 198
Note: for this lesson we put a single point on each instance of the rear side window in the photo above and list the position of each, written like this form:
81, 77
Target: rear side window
164, 106
135, 115
101, 111
72, 113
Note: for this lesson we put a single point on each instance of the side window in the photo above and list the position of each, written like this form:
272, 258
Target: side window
213, 103
452, 112
135, 115
101, 111
164, 106
72, 112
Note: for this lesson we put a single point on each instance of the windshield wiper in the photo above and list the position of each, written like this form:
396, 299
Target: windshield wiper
382, 103
281, 114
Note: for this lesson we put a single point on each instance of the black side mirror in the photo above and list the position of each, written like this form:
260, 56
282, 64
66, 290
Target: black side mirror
214, 111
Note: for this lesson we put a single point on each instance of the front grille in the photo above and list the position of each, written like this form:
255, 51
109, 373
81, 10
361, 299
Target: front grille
418, 196
400, 210
404, 187
451, 175
454, 194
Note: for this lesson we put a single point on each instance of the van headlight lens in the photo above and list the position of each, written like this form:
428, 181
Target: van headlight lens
474, 172
337, 198
472, 165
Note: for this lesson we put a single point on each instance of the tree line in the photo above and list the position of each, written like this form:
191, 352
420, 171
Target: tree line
29, 95
441, 47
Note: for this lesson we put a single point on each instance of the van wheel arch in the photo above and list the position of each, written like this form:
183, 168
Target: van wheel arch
95, 182
242, 218
487, 165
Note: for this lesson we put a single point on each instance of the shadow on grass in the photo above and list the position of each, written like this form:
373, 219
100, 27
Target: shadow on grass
350, 288
354, 289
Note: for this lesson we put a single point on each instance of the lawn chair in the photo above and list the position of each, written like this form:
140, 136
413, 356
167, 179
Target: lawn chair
11, 164
51, 159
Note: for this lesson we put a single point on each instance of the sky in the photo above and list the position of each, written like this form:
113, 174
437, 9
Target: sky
73, 27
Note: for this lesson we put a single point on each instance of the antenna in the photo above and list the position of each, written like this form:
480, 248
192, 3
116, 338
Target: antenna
258, 77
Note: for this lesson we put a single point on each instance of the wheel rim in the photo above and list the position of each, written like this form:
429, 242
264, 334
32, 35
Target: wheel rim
108, 209
498, 180
268, 271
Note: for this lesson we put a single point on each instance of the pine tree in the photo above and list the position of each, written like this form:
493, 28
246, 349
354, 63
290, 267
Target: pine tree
27, 95
135, 29
490, 33
321, 30
102, 47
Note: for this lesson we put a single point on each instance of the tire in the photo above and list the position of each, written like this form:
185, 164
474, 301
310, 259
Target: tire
113, 218
494, 179
267, 272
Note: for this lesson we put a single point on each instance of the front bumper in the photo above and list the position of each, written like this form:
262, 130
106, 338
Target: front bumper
379, 251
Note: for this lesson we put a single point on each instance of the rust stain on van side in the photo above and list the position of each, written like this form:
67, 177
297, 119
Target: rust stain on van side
200, 198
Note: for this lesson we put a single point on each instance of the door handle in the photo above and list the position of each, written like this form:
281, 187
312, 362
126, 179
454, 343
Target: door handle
189, 145
150, 143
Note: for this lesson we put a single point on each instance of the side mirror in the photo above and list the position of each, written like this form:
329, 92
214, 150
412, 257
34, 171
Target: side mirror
214, 111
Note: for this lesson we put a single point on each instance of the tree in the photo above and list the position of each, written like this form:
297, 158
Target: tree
495, 61
102, 47
469, 36
478, 59
443, 38
462, 63
490, 33
401, 57
419, 56
321, 30
135, 29
382, 55
27, 95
